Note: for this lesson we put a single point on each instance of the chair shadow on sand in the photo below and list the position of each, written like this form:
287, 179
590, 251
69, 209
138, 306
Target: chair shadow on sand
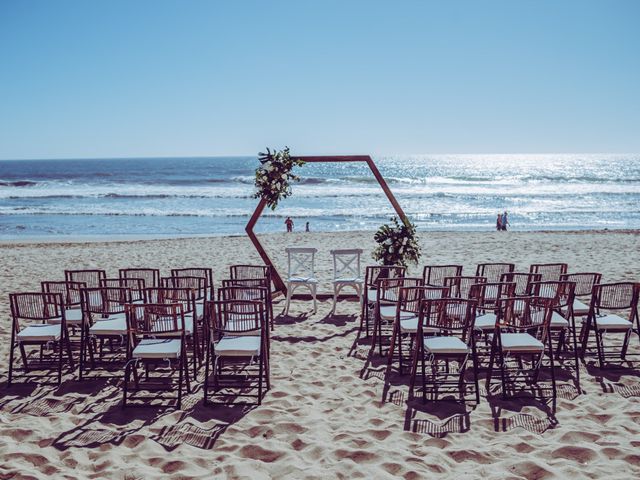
116, 425
106, 422
338, 321
439, 418
609, 379
507, 412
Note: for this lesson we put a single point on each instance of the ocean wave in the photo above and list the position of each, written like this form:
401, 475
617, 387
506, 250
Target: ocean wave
446, 211
18, 183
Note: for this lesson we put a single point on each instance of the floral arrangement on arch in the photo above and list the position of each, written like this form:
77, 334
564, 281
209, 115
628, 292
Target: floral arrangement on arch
397, 244
274, 176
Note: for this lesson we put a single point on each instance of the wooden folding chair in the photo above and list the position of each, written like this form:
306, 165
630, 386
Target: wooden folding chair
441, 359
46, 328
237, 335
157, 342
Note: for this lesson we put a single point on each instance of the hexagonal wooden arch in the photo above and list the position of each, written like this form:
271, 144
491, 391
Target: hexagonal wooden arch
276, 278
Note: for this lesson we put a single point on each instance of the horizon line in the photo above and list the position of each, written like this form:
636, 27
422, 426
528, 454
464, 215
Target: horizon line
162, 157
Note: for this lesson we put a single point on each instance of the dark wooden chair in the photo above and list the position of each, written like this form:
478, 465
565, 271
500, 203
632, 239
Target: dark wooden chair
38, 319
157, 341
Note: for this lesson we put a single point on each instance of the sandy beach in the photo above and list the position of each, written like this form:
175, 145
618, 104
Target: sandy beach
327, 415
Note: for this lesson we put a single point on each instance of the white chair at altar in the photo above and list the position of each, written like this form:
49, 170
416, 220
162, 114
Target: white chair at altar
301, 273
347, 273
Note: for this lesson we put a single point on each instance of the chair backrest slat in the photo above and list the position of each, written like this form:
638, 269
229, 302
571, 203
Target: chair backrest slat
38, 306
70, 291
151, 320
560, 293
186, 297
460, 286
389, 289
616, 296
136, 285
451, 316
197, 284
105, 300
434, 275
374, 274
493, 271
549, 271
89, 277
584, 282
151, 276
202, 272
522, 281
235, 317
248, 272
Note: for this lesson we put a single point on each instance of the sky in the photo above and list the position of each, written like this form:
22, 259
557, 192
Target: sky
117, 78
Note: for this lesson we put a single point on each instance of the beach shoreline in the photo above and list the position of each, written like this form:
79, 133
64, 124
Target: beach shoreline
65, 239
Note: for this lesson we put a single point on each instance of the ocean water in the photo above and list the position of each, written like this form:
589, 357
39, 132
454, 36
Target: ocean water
199, 196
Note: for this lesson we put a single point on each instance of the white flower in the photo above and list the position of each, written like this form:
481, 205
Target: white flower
284, 176
387, 241
390, 249
404, 242
278, 185
401, 251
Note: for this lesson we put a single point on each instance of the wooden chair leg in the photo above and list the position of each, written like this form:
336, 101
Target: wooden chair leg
336, 291
260, 379
315, 301
289, 295
10, 377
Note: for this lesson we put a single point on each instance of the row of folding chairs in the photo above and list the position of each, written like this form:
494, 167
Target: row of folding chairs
146, 325
435, 275
395, 302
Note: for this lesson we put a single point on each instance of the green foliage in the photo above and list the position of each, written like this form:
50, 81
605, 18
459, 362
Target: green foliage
397, 244
274, 177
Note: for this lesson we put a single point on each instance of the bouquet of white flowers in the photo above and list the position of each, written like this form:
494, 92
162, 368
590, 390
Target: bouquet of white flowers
397, 244
274, 177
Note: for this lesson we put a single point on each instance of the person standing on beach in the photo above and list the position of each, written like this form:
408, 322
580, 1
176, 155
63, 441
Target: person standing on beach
499, 222
504, 221
306, 227
289, 223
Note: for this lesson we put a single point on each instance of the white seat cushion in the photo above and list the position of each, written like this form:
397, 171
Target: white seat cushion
445, 345
40, 332
188, 323
409, 325
558, 321
348, 280
240, 346
302, 280
372, 295
199, 309
485, 322
157, 348
520, 342
388, 312
73, 316
579, 308
613, 322
113, 325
